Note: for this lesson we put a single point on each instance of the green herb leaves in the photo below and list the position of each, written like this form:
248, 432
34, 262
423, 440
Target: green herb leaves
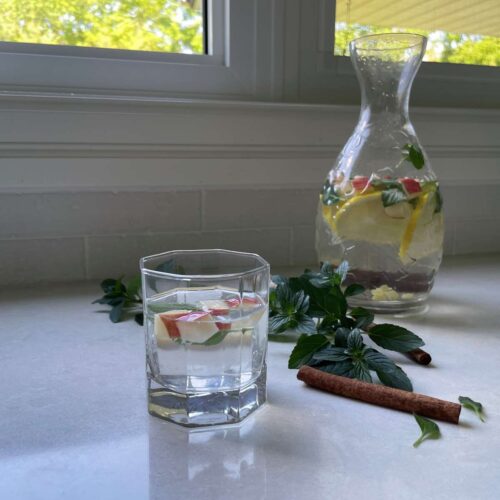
429, 430
328, 195
414, 155
123, 299
289, 311
315, 305
306, 346
395, 338
472, 405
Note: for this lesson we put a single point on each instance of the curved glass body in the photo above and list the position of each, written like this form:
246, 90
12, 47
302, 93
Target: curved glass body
380, 208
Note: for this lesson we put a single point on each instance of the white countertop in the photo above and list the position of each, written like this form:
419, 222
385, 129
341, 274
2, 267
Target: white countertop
74, 425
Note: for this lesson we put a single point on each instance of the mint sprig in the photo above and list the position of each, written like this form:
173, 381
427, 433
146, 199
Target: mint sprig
124, 299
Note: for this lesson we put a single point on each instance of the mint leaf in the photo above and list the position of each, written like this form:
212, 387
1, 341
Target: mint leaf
279, 323
395, 338
354, 289
117, 312
160, 307
341, 368
355, 342
332, 353
430, 429
414, 155
215, 339
289, 310
328, 195
363, 317
439, 201
393, 196
472, 405
305, 324
387, 371
306, 346
133, 288
341, 336
327, 301
361, 371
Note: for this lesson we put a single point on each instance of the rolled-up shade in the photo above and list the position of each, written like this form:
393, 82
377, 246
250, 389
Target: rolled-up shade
480, 17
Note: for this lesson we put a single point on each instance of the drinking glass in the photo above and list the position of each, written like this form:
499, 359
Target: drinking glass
205, 317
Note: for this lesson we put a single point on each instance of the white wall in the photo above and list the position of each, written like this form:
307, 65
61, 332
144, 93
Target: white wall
88, 186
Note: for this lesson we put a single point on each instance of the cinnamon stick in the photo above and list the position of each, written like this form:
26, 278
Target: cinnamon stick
381, 395
419, 356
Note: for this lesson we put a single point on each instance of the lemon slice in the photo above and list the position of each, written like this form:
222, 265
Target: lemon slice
363, 218
412, 224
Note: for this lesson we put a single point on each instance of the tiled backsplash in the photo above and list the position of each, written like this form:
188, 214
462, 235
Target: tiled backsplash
86, 188
93, 235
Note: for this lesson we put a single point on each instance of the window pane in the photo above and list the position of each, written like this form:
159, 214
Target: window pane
459, 31
153, 25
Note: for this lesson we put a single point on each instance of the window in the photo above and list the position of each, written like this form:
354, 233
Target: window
458, 31
326, 75
220, 57
150, 25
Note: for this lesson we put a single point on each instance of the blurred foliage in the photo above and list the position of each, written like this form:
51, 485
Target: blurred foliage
441, 47
154, 25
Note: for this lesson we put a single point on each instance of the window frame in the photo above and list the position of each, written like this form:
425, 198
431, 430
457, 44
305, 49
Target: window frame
325, 77
228, 70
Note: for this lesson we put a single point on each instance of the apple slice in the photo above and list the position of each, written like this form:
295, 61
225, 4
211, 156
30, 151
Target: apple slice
166, 324
197, 326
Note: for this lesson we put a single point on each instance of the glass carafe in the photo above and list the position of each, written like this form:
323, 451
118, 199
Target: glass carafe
380, 207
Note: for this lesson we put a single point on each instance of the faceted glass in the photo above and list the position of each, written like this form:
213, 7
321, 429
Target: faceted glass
380, 208
206, 335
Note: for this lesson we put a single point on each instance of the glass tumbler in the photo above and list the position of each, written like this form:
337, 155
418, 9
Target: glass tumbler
205, 317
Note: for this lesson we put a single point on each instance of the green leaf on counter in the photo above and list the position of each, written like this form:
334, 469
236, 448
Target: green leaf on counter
472, 405
429, 429
414, 155
395, 338
306, 346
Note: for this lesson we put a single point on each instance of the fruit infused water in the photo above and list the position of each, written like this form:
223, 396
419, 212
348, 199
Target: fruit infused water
390, 230
205, 340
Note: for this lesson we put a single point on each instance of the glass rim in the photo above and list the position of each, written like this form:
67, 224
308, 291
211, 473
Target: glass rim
264, 265
421, 39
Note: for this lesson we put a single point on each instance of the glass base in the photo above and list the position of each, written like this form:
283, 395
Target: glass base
410, 307
206, 409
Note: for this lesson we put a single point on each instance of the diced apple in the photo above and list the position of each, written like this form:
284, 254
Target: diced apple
197, 326
249, 302
360, 182
233, 303
166, 323
411, 185
215, 306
